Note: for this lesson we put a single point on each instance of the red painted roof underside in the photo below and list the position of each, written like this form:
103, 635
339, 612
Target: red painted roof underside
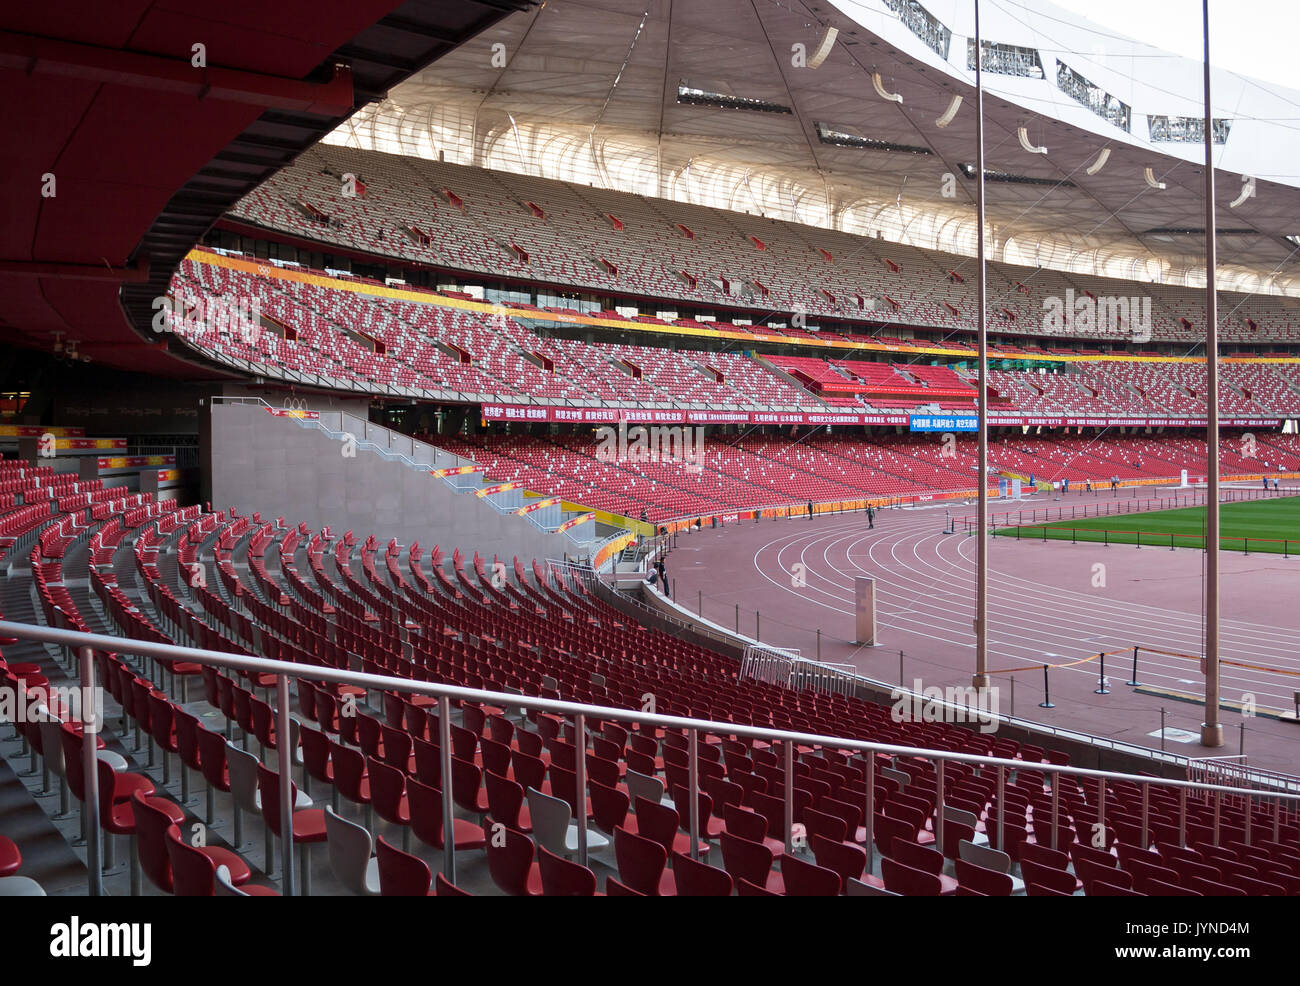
120, 153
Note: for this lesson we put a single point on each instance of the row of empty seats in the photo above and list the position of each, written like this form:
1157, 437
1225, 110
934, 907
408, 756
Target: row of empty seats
764, 470
493, 223
359, 341
377, 758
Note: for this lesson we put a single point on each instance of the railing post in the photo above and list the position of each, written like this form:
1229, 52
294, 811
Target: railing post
693, 789
1002, 805
1250, 816
448, 815
90, 770
1182, 817
284, 740
1056, 809
1146, 815
938, 821
870, 822
1101, 810
789, 795
1217, 816
580, 769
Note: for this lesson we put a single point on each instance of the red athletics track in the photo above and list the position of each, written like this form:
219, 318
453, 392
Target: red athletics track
1043, 609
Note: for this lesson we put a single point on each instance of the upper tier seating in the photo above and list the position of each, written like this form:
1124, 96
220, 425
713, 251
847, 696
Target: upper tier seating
361, 342
485, 221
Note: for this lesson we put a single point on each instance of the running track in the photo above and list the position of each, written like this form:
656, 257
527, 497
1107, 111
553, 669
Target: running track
1043, 609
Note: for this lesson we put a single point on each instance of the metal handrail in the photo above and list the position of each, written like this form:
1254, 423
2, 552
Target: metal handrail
86, 643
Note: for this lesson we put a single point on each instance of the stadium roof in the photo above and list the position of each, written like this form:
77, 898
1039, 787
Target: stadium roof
711, 102
122, 151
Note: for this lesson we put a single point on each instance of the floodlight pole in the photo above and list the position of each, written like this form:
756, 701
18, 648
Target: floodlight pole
980, 680
1211, 728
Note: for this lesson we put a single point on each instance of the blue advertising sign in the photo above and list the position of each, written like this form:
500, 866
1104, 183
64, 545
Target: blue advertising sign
945, 422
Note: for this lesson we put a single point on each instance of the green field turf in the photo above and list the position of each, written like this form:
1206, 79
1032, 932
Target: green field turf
1253, 525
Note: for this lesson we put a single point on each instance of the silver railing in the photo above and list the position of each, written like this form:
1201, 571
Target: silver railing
785, 667
85, 644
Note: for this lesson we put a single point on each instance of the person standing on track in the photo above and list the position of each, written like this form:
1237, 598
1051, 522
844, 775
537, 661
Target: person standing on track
871, 516
810, 510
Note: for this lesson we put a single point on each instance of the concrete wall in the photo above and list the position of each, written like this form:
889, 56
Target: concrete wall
259, 462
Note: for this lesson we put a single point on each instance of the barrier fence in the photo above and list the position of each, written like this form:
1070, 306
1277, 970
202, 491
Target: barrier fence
1146, 539
788, 669
1109, 507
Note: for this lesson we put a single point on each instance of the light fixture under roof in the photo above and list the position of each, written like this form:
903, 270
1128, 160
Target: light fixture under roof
824, 48
1007, 177
1023, 134
1098, 164
879, 85
842, 138
1247, 192
696, 96
950, 113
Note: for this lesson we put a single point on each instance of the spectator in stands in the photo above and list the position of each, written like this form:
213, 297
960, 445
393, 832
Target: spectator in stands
643, 516
871, 516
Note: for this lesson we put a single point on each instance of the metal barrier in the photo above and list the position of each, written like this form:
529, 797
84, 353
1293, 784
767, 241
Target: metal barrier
84, 645
1102, 506
1235, 771
771, 665
787, 668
